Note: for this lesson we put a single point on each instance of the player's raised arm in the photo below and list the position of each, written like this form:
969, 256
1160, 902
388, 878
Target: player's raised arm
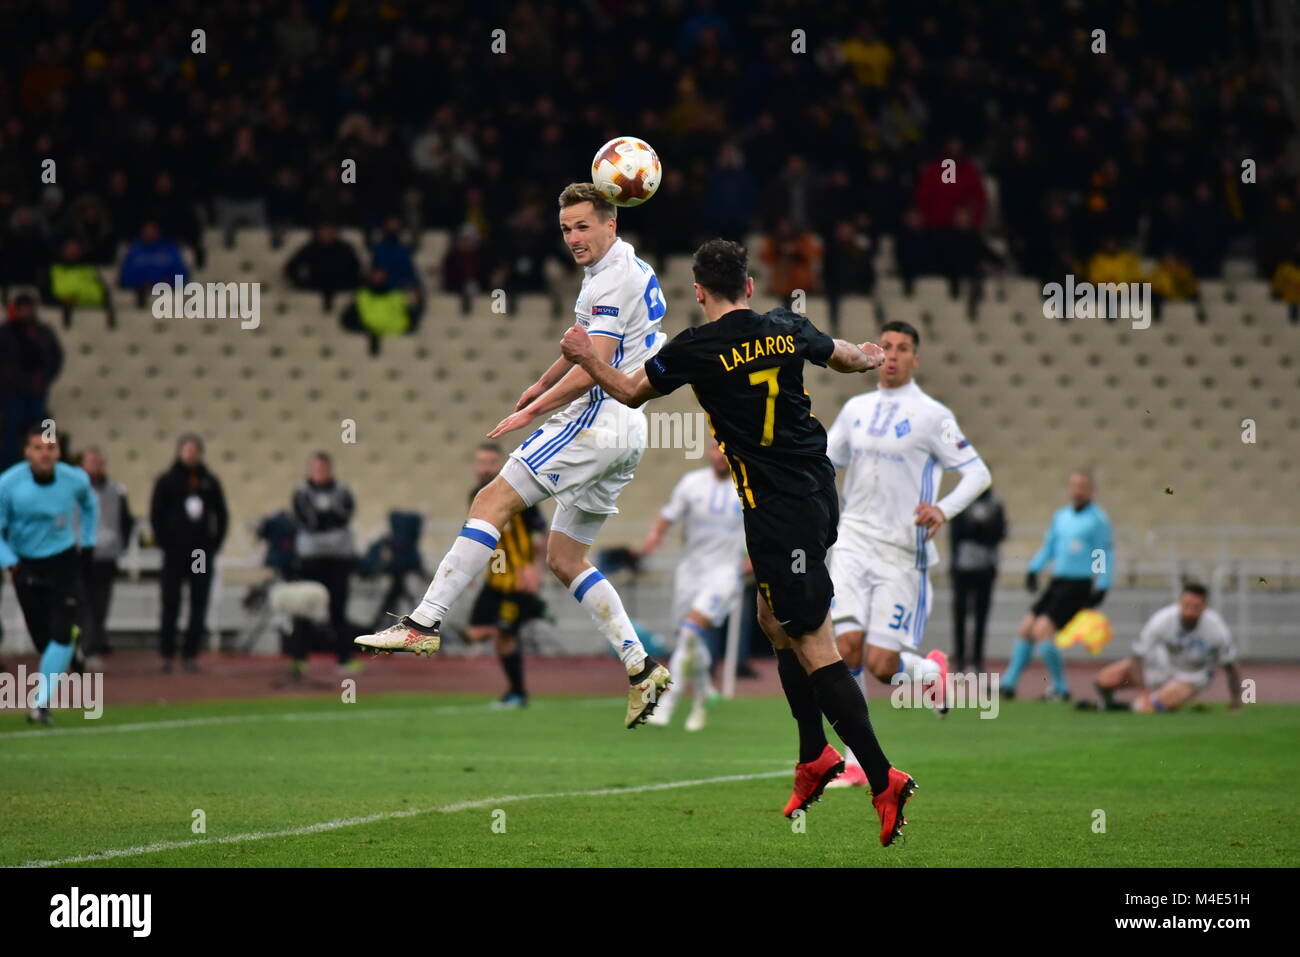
549, 378
571, 385
631, 390
860, 358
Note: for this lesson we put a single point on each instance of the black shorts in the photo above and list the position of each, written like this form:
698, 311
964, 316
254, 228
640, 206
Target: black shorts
788, 537
506, 611
1063, 599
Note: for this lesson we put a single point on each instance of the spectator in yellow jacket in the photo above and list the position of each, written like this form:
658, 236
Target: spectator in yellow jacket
1113, 264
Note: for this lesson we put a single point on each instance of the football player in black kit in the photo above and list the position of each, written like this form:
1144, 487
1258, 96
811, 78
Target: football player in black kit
746, 369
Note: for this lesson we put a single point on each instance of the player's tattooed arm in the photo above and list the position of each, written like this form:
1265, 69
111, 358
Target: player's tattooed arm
860, 358
631, 390
573, 384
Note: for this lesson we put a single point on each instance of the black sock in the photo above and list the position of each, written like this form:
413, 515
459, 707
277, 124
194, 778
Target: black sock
803, 705
648, 666
845, 708
513, 665
1107, 696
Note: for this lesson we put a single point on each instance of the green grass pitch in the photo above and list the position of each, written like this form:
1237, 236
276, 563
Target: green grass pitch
445, 781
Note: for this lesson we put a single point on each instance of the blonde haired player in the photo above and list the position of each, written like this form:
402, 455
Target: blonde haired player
893, 444
583, 454
708, 577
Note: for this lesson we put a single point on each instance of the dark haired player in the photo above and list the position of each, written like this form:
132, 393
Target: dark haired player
746, 369
894, 443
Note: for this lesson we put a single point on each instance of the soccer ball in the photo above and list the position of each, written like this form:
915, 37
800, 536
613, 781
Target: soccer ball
626, 170
1089, 628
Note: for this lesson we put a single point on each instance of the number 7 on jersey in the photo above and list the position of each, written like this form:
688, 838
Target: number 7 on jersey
769, 414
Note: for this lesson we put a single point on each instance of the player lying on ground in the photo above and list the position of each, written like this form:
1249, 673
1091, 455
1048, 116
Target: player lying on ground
893, 444
746, 370
1078, 544
509, 597
582, 456
707, 579
1176, 655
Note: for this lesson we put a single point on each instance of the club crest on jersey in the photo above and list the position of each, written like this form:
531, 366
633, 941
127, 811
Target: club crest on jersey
604, 311
902, 428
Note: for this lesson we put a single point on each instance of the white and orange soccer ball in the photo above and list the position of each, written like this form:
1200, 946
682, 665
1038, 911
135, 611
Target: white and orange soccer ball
627, 170
1089, 628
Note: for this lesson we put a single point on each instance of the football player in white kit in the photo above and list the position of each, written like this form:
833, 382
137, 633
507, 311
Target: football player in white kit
1173, 659
708, 576
892, 443
583, 454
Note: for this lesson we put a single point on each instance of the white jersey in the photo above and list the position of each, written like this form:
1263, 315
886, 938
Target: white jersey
893, 444
708, 510
620, 298
1199, 650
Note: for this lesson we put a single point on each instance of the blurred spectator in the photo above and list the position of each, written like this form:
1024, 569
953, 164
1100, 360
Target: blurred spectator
466, 268
325, 264
176, 217
947, 183
326, 552
1208, 231
1054, 253
1113, 264
965, 255
914, 251
1286, 283
531, 258
24, 253
189, 519
668, 234
380, 310
976, 533
240, 188
152, 258
793, 257
89, 225
74, 284
30, 360
728, 198
393, 256
792, 195
881, 198
1172, 280
112, 539
849, 267
868, 57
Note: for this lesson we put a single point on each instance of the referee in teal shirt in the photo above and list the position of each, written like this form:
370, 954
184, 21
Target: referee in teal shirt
1079, 545
38, 499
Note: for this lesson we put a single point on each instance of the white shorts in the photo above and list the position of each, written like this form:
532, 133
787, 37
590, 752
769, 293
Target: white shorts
880, 594
583, 464
1158, 670
711, 594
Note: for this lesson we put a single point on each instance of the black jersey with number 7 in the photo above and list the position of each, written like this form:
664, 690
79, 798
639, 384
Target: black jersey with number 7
746, 369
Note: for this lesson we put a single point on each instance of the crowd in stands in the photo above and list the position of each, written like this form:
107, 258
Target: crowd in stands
967, 138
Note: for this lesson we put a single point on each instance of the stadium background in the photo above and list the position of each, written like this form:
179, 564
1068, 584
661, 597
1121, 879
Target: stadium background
833, 150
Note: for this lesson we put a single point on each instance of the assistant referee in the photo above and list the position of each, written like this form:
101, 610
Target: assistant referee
38, 547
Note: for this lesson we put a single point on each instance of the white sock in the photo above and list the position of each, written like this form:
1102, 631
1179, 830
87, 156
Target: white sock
468, 556
916, 667
594, 593
700, 662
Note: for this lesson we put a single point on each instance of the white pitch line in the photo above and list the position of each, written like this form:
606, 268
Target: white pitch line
396, 815
246, 718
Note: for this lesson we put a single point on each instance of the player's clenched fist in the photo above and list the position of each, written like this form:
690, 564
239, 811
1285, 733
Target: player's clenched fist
875, 354
576, 344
